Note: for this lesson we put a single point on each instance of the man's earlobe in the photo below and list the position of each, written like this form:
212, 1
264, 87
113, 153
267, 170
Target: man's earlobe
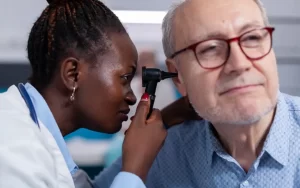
178, 81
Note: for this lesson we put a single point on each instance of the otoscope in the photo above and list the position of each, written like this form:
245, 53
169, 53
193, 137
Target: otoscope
150, 78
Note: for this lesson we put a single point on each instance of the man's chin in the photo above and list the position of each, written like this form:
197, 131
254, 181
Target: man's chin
246, 117
239, 114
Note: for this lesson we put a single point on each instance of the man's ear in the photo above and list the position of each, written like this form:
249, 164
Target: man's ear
71, 72
178, 81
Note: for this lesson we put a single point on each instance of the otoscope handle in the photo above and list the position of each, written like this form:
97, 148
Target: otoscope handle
150, 78
150, 89
152, 99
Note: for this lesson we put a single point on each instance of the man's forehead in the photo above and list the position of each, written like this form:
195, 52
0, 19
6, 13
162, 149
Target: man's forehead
197, 18
210, 7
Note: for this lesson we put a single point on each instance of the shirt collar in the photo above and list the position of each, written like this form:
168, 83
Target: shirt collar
277, 141
213, 144
46, 117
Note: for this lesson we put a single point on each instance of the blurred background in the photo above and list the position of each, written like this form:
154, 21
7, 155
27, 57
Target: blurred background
93, 151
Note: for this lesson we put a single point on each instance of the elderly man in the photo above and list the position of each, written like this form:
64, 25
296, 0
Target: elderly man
222, 51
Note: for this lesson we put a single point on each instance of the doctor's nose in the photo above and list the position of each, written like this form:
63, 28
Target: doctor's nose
130, 98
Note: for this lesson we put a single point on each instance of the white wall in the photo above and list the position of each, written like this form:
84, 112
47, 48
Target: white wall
17, 16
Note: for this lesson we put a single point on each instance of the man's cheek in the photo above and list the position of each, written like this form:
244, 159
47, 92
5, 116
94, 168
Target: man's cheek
196, 88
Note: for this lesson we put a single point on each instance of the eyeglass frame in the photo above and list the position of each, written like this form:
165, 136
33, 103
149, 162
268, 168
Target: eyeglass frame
228, 41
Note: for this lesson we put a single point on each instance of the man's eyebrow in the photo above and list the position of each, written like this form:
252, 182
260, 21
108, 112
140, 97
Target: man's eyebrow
218, 34
250, 25
207, 36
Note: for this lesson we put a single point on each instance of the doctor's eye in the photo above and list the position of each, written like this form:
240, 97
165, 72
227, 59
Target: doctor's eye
127, 77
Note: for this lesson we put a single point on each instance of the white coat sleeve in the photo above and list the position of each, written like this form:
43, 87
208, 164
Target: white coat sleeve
24, 161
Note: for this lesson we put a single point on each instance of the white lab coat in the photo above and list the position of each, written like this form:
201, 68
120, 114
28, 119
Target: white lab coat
29, 156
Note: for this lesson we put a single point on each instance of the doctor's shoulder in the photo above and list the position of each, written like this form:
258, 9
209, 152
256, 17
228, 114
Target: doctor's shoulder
14, 114
25, 160
16, 125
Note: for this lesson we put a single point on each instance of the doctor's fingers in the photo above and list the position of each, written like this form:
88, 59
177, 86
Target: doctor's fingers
155, 128
154, 123
141, 111
155, 117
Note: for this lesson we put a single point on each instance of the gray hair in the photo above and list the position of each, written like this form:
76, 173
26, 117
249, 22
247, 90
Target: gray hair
168, 21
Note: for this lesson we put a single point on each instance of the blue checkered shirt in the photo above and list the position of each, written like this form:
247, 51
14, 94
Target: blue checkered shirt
192, 157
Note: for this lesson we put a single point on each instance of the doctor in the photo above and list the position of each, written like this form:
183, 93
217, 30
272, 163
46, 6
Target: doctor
82, 63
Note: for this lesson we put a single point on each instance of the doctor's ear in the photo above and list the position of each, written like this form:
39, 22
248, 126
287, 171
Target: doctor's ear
71, 72
178, 81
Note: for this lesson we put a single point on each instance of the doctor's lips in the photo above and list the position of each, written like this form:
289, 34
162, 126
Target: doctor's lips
243, 88
123, 114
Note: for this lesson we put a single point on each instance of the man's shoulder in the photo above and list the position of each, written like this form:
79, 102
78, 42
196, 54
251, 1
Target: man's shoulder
188, 132
293, 106
186, 128
291, 111
184, 145
293, 102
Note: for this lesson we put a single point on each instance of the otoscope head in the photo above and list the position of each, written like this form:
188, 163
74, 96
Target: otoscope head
150, 78
150, 74
155, 75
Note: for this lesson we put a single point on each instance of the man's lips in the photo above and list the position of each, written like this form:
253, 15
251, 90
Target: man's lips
240, 89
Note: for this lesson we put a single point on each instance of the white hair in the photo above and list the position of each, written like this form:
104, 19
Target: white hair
168, 21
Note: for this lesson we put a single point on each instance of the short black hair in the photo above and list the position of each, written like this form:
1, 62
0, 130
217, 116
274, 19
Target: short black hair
81, 26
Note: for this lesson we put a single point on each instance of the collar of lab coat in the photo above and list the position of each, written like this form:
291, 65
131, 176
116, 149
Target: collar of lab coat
46, 117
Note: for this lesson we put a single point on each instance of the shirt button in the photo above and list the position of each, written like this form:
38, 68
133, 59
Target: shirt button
245, 183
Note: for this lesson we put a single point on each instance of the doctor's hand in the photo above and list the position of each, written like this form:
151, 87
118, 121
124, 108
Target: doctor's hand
178, 112
143, 140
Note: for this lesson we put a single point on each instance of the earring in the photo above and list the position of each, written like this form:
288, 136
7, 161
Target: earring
72, 97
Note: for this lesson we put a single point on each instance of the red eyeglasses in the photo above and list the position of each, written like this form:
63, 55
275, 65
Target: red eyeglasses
213, 53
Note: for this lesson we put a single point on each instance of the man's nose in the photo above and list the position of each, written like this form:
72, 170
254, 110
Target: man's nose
237, 61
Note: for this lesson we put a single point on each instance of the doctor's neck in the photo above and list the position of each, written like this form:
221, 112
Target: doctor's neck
61, 108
